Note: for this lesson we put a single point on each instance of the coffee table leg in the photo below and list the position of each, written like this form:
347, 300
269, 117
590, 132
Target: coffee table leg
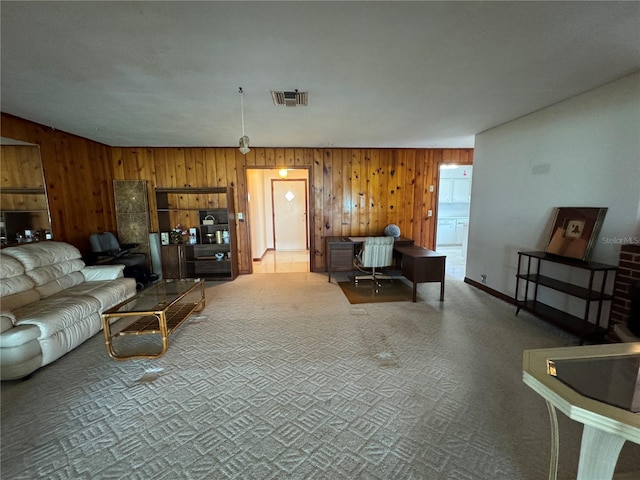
599, 452
555, 442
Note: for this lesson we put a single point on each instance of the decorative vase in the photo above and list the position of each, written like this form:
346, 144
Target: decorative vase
175, 237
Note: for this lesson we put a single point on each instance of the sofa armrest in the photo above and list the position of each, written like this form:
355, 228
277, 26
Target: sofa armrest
102, 272
6, 321
19, 335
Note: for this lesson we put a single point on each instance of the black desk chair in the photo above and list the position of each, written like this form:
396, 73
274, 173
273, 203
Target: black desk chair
105, 249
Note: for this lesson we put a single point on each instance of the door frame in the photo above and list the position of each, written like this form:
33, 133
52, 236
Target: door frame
310, 207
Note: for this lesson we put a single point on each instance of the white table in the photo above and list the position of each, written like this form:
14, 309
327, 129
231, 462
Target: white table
606, 427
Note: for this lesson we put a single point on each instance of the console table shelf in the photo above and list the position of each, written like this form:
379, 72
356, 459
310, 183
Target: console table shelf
595, 291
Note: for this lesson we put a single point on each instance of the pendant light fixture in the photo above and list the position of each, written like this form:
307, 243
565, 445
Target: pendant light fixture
244, 140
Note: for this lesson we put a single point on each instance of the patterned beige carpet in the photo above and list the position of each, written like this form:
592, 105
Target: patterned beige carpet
282, 378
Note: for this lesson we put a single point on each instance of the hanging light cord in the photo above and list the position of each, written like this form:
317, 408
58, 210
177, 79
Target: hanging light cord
242, 109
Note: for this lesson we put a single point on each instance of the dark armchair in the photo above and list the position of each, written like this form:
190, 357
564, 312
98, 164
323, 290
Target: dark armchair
105, 248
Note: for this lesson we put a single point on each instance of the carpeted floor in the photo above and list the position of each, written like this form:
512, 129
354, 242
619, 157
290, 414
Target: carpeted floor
283, 378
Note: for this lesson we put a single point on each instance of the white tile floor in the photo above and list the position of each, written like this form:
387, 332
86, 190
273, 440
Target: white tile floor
455, 264
282, 262
298, 261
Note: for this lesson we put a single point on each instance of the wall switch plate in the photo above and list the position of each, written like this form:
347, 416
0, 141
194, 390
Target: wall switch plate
431, 188
429, 213
240, 216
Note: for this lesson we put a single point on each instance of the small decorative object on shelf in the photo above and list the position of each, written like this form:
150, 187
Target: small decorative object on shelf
209, 220
392, 230
225, 236
176, 236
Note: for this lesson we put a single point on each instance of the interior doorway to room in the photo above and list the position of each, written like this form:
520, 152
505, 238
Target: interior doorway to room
278, 219
454, 200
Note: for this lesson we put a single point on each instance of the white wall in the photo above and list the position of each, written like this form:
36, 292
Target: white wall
257, 215
583, 152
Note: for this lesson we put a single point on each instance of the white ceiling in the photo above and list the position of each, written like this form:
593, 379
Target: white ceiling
379, 74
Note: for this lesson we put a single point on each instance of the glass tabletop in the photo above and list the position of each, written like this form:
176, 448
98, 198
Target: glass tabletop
157, 297
613, 379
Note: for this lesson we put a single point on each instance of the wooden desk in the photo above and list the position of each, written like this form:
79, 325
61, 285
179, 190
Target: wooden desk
340, 251
421, 265
606, 427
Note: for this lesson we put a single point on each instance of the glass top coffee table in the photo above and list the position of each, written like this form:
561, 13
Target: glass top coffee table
154, 313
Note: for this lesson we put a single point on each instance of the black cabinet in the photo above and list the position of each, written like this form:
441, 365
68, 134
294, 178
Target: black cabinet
532, 271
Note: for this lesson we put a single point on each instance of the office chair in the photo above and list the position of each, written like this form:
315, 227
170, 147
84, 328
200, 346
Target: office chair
105, 248
377, 252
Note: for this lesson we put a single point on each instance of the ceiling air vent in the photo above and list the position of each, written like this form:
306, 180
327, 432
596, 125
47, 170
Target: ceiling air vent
289, 99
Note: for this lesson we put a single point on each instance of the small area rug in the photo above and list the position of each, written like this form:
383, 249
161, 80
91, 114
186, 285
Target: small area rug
391, 291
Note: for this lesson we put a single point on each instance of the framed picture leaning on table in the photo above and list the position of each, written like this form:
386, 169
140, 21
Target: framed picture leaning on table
574, 231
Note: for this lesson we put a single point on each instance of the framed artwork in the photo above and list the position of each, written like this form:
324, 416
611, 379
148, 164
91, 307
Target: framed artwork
574, 231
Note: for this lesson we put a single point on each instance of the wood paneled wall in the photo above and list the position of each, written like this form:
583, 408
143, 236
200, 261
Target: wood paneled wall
21, 169
352, 191
78, 180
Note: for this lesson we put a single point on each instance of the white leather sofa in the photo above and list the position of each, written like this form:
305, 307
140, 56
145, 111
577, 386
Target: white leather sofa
50, 303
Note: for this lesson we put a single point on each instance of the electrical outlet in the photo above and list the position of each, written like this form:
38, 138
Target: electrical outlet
483, 278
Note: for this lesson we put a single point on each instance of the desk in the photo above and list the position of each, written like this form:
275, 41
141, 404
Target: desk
606, 427
340, 251
421, 265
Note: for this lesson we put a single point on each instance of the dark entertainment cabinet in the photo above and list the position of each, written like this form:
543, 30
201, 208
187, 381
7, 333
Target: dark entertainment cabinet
531, 272
212, 253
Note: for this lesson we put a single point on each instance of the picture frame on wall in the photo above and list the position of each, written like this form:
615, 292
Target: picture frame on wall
574, 231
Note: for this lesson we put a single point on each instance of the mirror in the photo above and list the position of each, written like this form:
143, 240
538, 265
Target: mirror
24, 209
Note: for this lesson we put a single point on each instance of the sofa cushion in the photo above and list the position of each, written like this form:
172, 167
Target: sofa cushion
108, 292
63, 341
12, 276
10, 267
57, 284
40, 254
56, 313
17, 300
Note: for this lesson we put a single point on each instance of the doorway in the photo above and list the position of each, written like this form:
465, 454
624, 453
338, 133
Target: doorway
290, 213
454, 200
278, 219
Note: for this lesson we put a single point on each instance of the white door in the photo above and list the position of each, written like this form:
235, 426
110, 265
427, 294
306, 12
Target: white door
290, 214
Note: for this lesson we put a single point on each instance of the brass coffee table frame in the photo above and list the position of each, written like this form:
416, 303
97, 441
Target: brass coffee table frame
163, 318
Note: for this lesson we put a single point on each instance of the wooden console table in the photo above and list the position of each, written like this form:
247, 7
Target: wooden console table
156, 310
